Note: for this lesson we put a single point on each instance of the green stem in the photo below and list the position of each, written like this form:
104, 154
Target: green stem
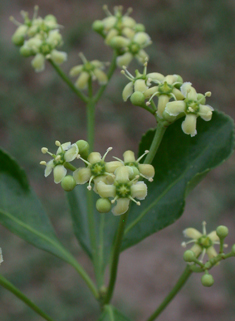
115, 257
109, 75
183, 278
160, 130
9, 286
101, 248
68, 81
70, 166
90, 116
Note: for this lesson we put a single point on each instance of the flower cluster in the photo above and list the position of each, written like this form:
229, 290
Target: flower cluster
123, 34
175, 98
40, 38
89, 70
118, 179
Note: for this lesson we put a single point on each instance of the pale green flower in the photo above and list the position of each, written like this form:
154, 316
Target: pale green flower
123, 190
65, 153
89, 69
203, 242
192, 106
97, 169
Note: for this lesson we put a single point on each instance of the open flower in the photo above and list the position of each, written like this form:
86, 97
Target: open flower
204, 243
66, 152
123, 190
192, 106
89, 69
97, 169
146, 171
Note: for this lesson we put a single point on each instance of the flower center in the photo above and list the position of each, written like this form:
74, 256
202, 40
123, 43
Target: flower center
134, 48
205, 242
165, 89
135, 164
59, 160
88, 66
98, 169
123, 190
192, 106
45, 48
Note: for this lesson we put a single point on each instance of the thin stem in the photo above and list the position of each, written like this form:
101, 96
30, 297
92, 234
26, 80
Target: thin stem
183, 278
144, 106
160, 130
109, 75
115, 257
9, 286
70, 166
101, 249
68, 81
90, 116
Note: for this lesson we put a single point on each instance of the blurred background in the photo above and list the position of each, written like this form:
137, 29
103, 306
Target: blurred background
195, 39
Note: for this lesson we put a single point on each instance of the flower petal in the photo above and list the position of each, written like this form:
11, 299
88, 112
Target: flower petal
58, 56
63, 147
110, 167
38, 62
139, 190
122, 174
121, 207
71, 153
205, 112
82, 80
140, 85
76, 70
213, 236
127, 91
105, 190
162, 102
101, 76
82, 175
155, 76
178, 94
189, 125
196, 249
142, 38
111, 34
124, 60
185, 88
142, 56
94, 157
174, 108
59, 173
49, 167
149, 92
147, 170
211, 252
192, 233
128, 156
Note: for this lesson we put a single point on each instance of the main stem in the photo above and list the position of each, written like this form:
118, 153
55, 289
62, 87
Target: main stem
183, 278
115, 258
160, 130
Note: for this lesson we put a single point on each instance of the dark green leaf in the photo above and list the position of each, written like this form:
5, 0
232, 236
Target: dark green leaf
112, 314
181, 162
22, 213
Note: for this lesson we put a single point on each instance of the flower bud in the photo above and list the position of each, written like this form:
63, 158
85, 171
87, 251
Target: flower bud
119, 42
137, 98
103, 205
58, 56
189, 256
19, 35
26, 52
139, 27
222, 231
83, 148
233, 249
50, 17
68, 183
38, 62
98, 26
207, 280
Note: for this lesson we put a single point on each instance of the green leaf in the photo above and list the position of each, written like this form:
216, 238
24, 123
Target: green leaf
10, 287
22, 213
105, 224
112, 314
181, 162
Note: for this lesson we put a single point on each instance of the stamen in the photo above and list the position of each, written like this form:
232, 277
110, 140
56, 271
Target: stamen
145, 67
106, 10
145, 153
81, 55
191, 109
89, 184
86, 162
183, 244
109, 174
204, 228
203, 254
57, 143
127, 72
153, 95
129, 10
173, 96
208, 94
17, 23
108, 150
43, 163
58, 158
24, 14
114, 200
135, 178
133, 200
148, 103
118, 159
188, 242
35, 13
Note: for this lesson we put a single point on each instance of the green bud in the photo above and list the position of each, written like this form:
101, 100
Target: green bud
139, 27
222, 231
202, 98
137, 98
83, 148
119, 42
189, 256
207, 280
103, 205
233, 249
18, 40
98, 26
68, 183
50, 17
26, 52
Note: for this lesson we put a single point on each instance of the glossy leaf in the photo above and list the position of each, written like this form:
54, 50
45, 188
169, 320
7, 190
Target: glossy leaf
22, 213
181, 162
112, 314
